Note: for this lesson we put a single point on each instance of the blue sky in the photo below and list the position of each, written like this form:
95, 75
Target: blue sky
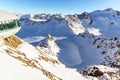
57, 6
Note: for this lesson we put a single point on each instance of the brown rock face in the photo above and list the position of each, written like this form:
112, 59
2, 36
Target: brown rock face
12, 41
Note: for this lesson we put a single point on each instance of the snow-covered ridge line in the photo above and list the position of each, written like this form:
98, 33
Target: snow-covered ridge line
99, 20
106, 21
38, 58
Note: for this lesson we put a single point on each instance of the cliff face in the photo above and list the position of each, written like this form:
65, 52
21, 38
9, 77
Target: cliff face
102, 72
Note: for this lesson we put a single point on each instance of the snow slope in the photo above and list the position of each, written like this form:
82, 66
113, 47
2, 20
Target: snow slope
24, 61
12, 69
106, 21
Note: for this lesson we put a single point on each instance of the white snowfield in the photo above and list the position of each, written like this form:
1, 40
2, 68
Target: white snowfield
5, 16
94, 31
106, 22
12, 69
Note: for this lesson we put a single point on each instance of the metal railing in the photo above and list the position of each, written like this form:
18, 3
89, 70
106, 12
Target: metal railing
4, 25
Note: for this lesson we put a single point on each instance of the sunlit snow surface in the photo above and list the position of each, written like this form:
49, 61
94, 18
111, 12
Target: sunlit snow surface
106, 21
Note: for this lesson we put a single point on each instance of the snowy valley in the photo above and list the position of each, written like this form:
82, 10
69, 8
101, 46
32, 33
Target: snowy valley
63, 47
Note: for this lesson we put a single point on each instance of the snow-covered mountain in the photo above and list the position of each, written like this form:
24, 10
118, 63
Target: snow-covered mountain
106, 21
64, 47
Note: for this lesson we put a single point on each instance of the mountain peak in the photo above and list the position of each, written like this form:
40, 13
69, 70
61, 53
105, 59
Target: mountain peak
109, 9
50, 43
50, 37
